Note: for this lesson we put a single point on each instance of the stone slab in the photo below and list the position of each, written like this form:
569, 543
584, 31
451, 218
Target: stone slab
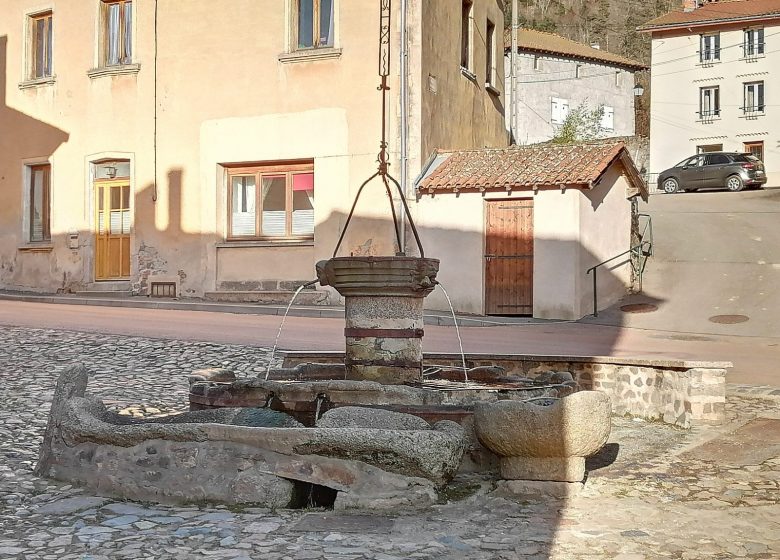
332, 523
751, 444
536, 489
71, 505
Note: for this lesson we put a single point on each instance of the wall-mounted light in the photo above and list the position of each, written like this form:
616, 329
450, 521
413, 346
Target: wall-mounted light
638, 90
111, 171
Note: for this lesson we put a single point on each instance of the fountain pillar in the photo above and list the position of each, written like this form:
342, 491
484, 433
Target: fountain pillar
384, 314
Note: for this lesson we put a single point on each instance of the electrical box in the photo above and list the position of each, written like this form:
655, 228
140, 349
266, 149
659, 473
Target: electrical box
73, 240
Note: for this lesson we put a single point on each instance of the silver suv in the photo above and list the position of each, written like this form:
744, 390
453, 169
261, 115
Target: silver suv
716, 170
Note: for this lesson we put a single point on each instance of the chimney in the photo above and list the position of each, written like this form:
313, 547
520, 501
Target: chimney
690, 5
595, 46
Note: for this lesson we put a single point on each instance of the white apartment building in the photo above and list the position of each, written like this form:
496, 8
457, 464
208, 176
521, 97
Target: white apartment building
715, 77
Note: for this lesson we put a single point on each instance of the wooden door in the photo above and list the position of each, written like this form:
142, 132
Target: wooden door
509, 257
112, 226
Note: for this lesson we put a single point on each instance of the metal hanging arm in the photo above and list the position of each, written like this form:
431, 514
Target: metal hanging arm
382, 159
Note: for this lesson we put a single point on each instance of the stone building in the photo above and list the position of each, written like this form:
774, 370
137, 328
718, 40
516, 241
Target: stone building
715, 75
554, 75
212, 149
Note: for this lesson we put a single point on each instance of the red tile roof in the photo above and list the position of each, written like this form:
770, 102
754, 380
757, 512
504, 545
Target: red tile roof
519, 167
716, 12
550, 43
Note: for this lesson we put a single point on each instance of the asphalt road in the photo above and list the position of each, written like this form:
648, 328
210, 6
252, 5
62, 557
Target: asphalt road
755, 358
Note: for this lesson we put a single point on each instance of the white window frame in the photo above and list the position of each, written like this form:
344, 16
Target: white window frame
714, 97
491, 70
27, 167
753, 45
469, 37
759, 98
709, 48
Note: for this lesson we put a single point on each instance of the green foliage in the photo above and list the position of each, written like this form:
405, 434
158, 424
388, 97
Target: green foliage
581, 125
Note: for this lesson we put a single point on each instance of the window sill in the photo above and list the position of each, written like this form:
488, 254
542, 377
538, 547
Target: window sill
708, 120
37, 82
468, 73
43, 247
492, 89
753, 115
708, 63
310, 55
117, 70
237, 244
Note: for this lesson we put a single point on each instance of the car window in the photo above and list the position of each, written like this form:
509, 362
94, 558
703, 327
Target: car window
717, 159
742, 158
690, 162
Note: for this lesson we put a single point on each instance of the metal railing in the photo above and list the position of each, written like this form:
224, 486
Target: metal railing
638, 260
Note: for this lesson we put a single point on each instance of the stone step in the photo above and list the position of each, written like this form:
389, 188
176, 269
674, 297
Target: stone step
108, 286
268, 297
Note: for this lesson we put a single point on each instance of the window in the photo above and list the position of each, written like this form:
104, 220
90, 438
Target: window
117, 30
618, 78
271, 201
559, 109
753, 43
706, 148
717, 159
40, 34
537, 63
709, 102
465, 35
756, 149
578, 71
608, 118
695, 161
490, 54
314, 20
39, 202
753, 98
709, 50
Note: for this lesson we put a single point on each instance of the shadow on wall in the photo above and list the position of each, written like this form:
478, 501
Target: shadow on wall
23, 139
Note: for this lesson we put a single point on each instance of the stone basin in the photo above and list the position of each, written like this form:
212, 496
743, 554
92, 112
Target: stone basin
545, 440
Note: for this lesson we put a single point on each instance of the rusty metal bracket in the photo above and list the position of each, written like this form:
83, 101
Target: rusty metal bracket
384, 333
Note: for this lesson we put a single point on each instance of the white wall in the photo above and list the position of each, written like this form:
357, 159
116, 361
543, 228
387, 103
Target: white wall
677, 75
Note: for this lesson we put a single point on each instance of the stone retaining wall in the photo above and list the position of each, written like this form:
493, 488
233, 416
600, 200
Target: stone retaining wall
677, 392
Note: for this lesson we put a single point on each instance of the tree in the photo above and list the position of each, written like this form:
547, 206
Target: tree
581, 125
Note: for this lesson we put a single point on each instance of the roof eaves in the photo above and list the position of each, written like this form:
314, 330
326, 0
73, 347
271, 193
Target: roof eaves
704, 22
604, 61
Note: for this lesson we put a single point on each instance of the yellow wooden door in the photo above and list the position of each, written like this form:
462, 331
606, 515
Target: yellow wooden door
112, 243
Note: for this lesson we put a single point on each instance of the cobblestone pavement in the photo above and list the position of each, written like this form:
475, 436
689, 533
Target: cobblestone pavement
658, 498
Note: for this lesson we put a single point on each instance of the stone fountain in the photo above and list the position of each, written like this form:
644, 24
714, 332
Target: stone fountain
379, 427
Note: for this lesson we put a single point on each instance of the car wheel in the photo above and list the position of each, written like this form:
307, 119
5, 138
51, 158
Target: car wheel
735, 183
670, 185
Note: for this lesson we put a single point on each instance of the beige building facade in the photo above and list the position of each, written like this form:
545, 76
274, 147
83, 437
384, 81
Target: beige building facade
715, 77
215, 149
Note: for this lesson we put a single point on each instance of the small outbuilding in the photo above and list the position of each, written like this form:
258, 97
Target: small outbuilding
517, 228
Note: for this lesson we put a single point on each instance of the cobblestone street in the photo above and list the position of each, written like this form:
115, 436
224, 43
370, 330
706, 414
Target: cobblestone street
654, 492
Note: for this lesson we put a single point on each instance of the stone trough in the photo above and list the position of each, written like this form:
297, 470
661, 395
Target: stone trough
354, 458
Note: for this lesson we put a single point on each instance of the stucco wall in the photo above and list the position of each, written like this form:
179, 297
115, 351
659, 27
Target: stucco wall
556, 77
676, 77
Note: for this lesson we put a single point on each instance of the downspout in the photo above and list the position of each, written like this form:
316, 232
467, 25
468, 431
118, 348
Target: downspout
154, 186
404, 53
513, 77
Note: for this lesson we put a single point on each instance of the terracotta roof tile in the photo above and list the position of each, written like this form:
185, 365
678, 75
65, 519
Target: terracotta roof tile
716, 12
516, 167
550, 43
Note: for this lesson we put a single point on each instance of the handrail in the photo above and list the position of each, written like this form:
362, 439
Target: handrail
644, 249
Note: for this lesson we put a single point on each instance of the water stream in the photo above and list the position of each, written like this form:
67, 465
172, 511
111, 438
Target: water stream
281, 326
457, 331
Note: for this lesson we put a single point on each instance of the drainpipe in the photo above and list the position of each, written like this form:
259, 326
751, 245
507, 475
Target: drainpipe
404, 53
513, 77
154, 186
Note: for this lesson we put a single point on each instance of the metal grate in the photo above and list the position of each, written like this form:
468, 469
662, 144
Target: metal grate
163, 289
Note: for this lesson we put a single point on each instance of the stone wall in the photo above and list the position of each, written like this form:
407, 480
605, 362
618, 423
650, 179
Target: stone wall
676, 392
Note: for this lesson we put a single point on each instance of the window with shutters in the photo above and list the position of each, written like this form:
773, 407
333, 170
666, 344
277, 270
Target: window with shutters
753, 98
608, 118
559, 110
39, 33
466, 27
272, 201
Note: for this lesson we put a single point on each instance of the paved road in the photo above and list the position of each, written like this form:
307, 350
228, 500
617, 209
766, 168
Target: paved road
755, 359
716, 253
